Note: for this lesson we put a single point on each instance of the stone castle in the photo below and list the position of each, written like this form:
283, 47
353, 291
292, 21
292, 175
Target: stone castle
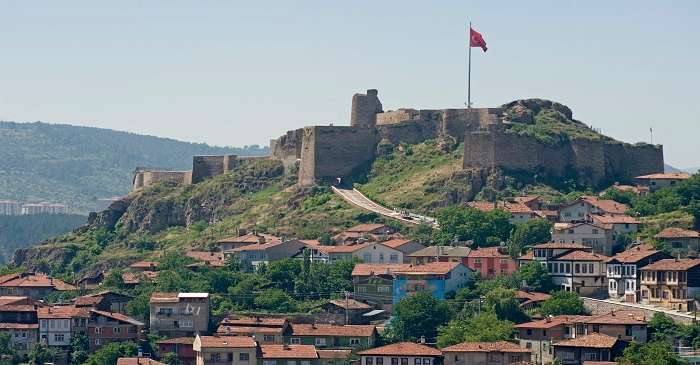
323, 154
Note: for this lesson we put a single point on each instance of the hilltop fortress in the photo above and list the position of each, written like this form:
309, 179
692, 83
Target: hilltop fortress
322, 154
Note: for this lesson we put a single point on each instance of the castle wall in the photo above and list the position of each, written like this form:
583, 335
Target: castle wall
595, 163
205, 167
287, 148
411, 132
330, 152
145, 178
364, 109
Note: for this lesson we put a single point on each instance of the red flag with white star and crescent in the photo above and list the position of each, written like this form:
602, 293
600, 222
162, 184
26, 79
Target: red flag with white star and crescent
476, 39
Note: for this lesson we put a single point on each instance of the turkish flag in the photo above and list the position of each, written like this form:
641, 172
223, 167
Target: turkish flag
476, 40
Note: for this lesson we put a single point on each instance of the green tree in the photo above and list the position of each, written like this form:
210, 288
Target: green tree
40, 354
171, 358
663, 327
484, 327
7, 350
275, 300
418, 315
502, 302
108, 354
79, 349
526, 234
535, 275
563, 302
467, 223
628, 198
650, 353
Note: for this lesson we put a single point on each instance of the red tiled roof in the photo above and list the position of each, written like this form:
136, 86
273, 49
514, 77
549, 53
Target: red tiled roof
255, 321
333, 354
118, 317
531, 297
177, 340
619, 317
377, 269
402, 349
256, 246
251, 238
608, 206
144, 264
86, 301
288, 352
675, 232
5, 300
485, 206
634, 254
364, 228
614, 219
17, 308
162, 297
582, 256
484, 252
527, 198
35, 280
330, 330
442, 251
18, 326
593, 340
349, 304
248, 330
211, 258
557, 245
431, 268
396, 242
551, 322
137, 361
65, 311
667, 175
673, 264
500, 346
342, 249
527, 256
227, 342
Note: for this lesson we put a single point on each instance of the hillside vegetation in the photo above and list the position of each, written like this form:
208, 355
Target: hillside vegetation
77, 165
23, 230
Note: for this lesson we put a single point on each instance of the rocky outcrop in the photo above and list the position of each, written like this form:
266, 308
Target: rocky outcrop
524, 111
109, 217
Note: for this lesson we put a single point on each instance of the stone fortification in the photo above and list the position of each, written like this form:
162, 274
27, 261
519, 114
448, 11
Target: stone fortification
205, 167
364, 109
144, 178
329, 152
591, 162
287, 148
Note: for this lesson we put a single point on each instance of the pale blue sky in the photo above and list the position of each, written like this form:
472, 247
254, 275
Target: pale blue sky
235, 73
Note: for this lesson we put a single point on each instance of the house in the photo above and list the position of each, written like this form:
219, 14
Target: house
266, 330
626, 325
90, 281
658, 181
179, 314
572, 266
406, 246
331, 336
538, 336
33, 285
144, 266
437, 278
620, 224
289, 355
491, 262
205, 259
485, 353
19, 319
344, 311
138, 361
597, 236
374, 283
333, 357
107, 327
105, 300
520, 213
671, 283
363, 232
368, 252
254, 238
586, 206
635, 189
682, 242
57, 324
530, 299
533, 202
591, 347
131, 279
216, 350
180, 346
402, 353
264, 253
440, 254
623, 271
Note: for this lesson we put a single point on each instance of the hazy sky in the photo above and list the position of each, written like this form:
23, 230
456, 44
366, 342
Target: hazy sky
235, 73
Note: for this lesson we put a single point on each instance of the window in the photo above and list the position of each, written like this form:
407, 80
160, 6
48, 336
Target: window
394, 258
320, 341
426, 361
595, 231
529, 331
528, 345
381, 257
477, 260
269, 338
591, 356
98, 342
404, 361
383, 289
380, 361
368, 360
361, 289
186, 323
354, 341
215, 357
98, 330
394, 361
577, 268
269, 362
590, 268
295, 340
566, 355
628, 330
367, 257
544, 333
305, 362
417, 361
596, 328
59, 337
243, 356
291, 362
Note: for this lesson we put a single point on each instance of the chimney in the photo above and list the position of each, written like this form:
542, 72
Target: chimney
422, 340
140, 353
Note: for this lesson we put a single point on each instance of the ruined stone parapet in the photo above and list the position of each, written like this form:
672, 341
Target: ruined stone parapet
146, 178
365, 108
287, 148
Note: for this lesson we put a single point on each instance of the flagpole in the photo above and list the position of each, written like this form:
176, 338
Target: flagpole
469, 72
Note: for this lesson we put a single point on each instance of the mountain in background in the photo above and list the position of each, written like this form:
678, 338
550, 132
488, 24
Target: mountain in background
78, 165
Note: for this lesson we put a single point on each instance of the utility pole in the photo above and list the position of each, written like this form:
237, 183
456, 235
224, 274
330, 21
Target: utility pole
347, 300
469, 70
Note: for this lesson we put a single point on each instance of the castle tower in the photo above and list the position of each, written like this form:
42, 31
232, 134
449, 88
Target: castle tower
365, 108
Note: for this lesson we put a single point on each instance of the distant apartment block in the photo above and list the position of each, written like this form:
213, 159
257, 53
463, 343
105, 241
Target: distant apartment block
9, 207
44, 207
179, 314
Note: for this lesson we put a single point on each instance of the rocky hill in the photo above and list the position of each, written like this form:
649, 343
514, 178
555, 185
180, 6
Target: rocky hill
78, 165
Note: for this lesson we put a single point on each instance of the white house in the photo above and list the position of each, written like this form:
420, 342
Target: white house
597, 236
582, 208
368, 253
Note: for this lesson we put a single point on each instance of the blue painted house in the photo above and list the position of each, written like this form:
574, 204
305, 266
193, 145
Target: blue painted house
438, 278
